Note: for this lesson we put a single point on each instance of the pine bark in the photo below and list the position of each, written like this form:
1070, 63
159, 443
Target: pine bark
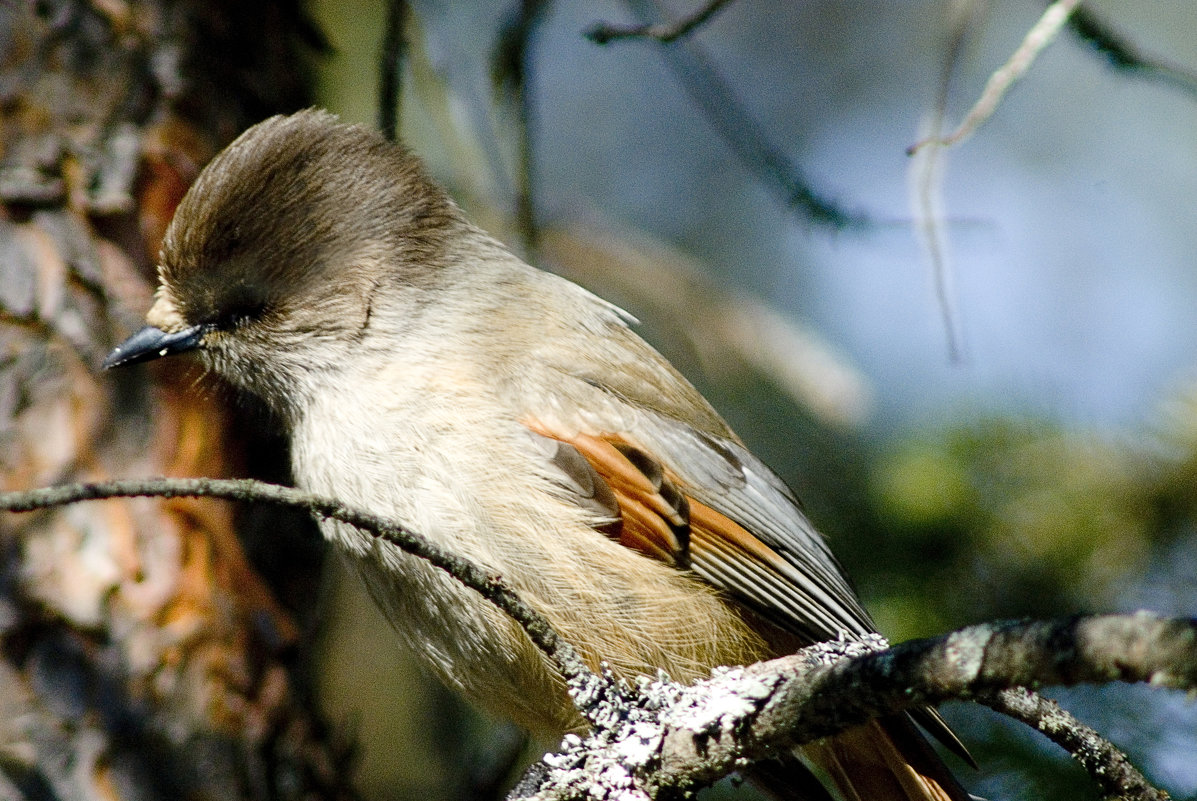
141, 654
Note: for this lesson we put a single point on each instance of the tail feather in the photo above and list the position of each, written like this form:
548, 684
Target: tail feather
788, 778
887, 760
930, 720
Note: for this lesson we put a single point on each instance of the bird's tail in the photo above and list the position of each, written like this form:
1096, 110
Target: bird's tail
885, 760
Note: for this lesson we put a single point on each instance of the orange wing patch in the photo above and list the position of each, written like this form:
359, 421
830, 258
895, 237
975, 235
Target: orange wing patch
658, 519
654, 516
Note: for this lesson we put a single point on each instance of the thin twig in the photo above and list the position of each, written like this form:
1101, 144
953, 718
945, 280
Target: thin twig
1109, 767
1123, 55
926, 170
740, 131
490, 586
1042, 34
602, 33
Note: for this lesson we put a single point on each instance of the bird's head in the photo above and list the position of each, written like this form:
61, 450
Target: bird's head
276, 257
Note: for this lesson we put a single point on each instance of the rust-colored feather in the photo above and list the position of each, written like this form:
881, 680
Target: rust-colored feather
650, 522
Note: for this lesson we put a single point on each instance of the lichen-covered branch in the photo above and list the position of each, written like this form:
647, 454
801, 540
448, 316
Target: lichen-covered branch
675, 739
1111, 770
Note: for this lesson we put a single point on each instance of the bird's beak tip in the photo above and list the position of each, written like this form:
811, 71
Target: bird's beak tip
153, 343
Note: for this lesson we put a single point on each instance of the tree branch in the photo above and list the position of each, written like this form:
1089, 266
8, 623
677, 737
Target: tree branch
602, 33
683, 738
1111, 770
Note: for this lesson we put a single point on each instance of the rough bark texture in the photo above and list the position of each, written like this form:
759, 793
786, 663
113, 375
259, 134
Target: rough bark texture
140, 654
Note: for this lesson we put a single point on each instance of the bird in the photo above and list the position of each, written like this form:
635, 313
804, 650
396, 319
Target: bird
425, 373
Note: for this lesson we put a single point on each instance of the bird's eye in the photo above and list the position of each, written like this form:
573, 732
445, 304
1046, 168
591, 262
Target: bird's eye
238, 314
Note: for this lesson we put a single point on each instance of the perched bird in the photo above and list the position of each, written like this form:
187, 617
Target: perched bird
425, 373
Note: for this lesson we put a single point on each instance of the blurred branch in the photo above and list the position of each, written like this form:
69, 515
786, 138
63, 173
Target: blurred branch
740, 330
1111, 770
390, 72
665, 738
1086, 25
602, 33
925, 175
709, 91
1042, 34
509, 74
926, 179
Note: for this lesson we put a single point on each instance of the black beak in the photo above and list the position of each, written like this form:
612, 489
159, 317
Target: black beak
152, 343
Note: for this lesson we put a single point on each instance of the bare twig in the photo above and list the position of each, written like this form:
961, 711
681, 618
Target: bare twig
741, 331
709, 91
1111, 770
926, 170
1122, 54
1042, 34
925, 176
1083, 23
603, 32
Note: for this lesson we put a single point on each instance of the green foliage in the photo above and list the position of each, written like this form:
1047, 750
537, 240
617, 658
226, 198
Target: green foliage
1020, 518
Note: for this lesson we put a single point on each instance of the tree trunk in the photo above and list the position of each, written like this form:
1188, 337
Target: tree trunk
141, 655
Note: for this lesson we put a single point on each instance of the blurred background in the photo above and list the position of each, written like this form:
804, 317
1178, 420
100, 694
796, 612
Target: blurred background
1028, 452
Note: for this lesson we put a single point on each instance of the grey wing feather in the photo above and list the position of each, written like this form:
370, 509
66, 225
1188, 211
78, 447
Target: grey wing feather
576, 475
629, 389
808, 591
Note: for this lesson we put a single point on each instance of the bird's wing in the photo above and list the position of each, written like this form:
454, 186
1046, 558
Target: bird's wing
702, 501
680, 486
705, 503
